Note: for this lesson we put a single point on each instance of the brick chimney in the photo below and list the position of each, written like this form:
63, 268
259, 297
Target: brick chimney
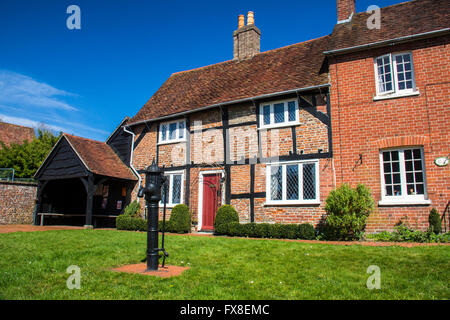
345, 9
246, 39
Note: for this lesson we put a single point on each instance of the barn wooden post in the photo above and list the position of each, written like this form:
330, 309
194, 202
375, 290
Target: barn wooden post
37, 205
89, 200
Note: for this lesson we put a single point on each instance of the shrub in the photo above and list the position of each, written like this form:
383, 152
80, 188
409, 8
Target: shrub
306, 231
133, 208
402, 233
266, 230
128, 222
225, 214
435, 221
180, 219
347, 211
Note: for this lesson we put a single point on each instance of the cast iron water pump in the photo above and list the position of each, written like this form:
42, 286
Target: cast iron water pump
154, 179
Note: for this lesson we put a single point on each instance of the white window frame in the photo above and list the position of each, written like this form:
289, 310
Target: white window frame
169, 175
284, 201
272, 123
404, 199
395, 92
177, 134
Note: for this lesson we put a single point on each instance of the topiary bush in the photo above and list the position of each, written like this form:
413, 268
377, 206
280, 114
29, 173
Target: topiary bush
434, 221
180, 219
347, 210
225, 214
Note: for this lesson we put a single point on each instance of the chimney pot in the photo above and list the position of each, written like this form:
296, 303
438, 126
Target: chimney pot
250, 18
241, 21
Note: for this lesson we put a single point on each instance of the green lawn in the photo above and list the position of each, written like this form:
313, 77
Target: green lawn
33, 266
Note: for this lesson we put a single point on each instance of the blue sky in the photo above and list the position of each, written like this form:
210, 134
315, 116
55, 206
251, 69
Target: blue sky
85, 81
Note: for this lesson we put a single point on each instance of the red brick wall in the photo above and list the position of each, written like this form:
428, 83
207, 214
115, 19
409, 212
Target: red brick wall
17, 200
364, 126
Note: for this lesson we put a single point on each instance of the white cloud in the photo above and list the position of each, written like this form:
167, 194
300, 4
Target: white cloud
21, 90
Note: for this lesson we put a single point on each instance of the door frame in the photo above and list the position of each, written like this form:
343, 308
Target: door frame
200, 193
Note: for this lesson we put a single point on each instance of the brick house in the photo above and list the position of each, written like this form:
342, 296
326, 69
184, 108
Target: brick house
272, 133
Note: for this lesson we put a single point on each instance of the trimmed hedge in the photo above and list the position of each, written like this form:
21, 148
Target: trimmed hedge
434, 221
180, 219
267, 230
225, 214
130, 223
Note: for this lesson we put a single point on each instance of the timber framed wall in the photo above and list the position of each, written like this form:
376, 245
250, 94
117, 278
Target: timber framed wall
227, 138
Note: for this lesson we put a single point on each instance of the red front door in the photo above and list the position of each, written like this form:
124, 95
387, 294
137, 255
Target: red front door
211, 200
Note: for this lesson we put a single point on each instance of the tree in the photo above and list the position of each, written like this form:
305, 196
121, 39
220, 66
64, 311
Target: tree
26, 158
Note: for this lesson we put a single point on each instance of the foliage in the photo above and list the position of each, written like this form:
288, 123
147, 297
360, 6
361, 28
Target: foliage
267, 230
347, 210
26, 158
130, 223
225, 214
180, 219
133, 208
435, 221
402, 233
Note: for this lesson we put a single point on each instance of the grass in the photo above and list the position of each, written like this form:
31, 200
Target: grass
33, 266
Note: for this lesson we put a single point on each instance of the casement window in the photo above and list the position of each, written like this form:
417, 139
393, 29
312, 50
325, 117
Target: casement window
278, 114
174, 192
395, 74
403, 175
174, 131
293, 183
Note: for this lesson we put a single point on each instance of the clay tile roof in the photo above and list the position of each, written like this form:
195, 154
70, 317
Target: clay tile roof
100, 158
400, 20
288, 68
12, 133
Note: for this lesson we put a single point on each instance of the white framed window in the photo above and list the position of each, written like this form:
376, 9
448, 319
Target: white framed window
395, 74
175, 188
278, 114
172, 131
403, 177
293, 183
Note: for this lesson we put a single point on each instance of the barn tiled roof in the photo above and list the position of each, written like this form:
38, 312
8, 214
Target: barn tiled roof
12, 133
288, 68
400, 20
99, 158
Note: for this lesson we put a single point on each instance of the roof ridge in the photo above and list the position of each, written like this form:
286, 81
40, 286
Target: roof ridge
16, 125
83, 138
258, 54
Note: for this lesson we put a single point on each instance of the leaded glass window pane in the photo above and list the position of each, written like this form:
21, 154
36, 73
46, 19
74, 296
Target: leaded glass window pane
176, 189
291, 111
276, 183
292, 182
279, 112
309, 181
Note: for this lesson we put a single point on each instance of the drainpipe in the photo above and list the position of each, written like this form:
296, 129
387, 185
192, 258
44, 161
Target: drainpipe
131, 155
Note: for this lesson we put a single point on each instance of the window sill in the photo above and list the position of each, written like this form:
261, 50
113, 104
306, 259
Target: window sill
171, 142
396, 95
281, 125
388, 203
168, 206
291, 204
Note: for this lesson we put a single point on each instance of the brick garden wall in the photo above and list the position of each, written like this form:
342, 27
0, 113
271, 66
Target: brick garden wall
17, 200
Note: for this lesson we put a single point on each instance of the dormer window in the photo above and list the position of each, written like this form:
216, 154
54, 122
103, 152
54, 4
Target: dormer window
173, 131
278, 114
395, 75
